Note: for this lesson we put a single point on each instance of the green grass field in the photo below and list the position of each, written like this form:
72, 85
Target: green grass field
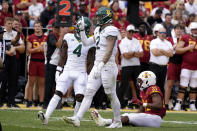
26, 120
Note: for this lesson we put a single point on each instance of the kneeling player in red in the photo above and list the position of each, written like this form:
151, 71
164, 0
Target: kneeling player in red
152, 108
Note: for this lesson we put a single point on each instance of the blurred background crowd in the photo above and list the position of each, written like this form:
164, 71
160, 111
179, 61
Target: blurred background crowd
22, 16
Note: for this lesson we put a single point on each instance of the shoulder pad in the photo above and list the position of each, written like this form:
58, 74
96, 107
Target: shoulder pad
68, 36
96, 30
153, 89
111, 30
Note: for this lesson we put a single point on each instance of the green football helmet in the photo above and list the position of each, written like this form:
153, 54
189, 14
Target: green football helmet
104, 15
88, 25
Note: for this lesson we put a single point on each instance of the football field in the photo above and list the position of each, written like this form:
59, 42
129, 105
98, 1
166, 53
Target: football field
26, 120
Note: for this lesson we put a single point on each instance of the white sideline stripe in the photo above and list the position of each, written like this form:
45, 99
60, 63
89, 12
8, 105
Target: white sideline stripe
182, 122
34, 127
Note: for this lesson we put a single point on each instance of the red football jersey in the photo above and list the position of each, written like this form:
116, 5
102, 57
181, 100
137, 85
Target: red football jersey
145, 43
3, 16
36, 42
147, 98
189, 58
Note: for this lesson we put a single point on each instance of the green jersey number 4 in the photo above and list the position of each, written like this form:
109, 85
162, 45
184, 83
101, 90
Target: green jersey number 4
77, 51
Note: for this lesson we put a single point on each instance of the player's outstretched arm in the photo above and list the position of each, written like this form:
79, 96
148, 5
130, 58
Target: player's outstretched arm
85, 40
111, 40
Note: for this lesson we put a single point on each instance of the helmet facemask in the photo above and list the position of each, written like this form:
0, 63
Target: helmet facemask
194, 34
139, 84
193, 29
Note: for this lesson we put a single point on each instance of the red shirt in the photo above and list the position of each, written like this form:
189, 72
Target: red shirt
15, 2
121, 27
3, 15
36, 42
145, 43
147, 98
189, 57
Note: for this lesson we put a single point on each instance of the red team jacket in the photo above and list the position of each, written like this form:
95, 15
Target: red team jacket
146, 98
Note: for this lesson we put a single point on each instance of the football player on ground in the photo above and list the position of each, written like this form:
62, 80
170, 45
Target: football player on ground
152, 108
105, 69
71, 69
188, 78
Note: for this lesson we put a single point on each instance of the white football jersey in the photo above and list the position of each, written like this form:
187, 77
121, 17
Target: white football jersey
76, 54
101, 44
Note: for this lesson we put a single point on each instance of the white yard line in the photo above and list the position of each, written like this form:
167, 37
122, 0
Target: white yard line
181, 122
174, 122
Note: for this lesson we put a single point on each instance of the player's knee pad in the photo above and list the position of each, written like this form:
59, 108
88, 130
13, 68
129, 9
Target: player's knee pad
182, 90
79, 97
90, 92
193, 90
59, 93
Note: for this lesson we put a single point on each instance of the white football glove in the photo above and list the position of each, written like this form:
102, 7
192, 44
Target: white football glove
59, 71
97, 72
81, 24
